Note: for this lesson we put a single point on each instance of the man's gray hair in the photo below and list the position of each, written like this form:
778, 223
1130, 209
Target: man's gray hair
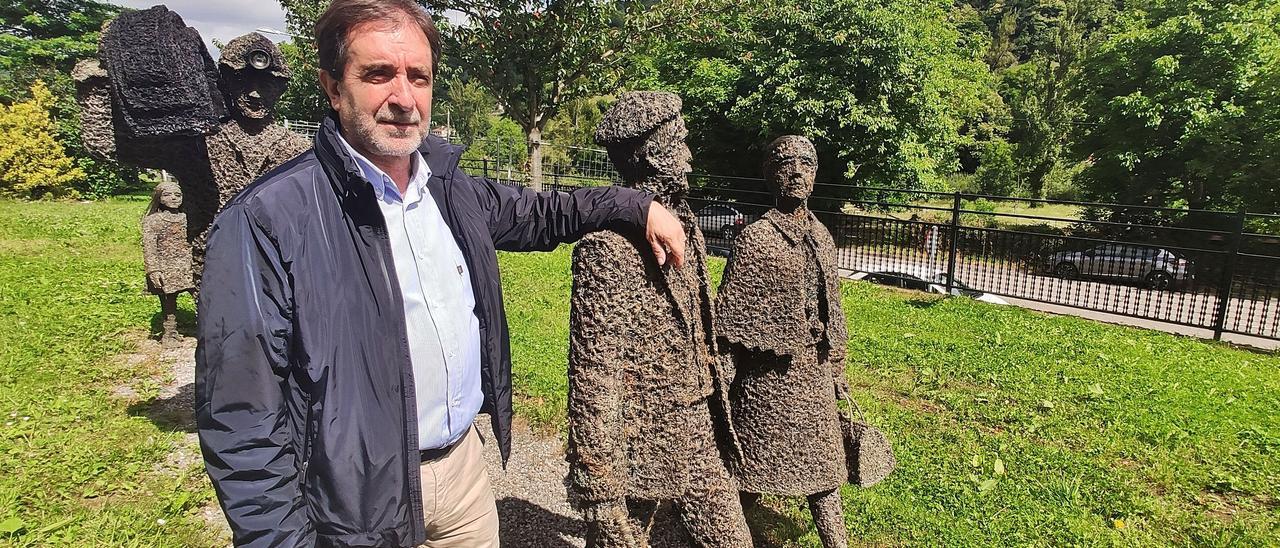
333, 29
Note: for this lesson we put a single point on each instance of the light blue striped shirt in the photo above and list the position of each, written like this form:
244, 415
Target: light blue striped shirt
439, 304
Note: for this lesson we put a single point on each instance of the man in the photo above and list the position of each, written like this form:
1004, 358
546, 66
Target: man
778, 310
647, 415
351, 325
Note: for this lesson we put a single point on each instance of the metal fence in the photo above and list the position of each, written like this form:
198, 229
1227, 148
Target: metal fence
1213, 270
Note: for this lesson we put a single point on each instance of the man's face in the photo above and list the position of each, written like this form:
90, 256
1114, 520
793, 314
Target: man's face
254, 92
383, 97
792, 173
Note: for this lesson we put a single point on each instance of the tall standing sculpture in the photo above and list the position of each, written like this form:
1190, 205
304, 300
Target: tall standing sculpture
647, 422
779, 312
167, 254
154, 99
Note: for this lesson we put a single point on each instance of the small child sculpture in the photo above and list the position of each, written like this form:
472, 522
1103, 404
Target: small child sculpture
166, 253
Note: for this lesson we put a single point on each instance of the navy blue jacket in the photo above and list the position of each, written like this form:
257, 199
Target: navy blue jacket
304, 389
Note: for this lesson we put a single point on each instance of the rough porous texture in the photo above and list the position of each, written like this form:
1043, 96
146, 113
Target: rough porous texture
214, 166
778, 309
166, 254
93, 94
163, 80
779, 315
647, 412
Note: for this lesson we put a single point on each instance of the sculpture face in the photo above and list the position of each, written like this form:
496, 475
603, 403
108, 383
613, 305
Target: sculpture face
171, 197
383, 96
254, 75
253, 93
791, 166
667, 155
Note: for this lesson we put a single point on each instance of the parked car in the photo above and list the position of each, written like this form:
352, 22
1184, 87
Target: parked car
930, 283
1157, 268
722, 220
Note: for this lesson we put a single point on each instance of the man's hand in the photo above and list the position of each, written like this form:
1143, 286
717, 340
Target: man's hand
666, 234
156, 279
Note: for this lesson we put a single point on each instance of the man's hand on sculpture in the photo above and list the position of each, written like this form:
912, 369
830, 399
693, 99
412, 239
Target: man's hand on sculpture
156, 279
666, 234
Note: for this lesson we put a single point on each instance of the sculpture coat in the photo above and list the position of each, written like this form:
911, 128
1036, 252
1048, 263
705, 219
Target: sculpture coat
166, 252
790, 343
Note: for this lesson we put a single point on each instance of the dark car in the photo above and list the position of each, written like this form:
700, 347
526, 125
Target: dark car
1157, 268
722, 220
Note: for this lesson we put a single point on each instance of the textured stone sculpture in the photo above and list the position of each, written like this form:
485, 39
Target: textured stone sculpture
647, 411
124, 119
778, 310
166, 253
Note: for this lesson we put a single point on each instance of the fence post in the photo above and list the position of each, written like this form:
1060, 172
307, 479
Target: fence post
955, 240
1228, 277
486, 167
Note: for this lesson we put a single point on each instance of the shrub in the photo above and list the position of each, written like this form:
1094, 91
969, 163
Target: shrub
32, 162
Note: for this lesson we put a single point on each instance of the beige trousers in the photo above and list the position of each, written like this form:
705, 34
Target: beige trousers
457, 500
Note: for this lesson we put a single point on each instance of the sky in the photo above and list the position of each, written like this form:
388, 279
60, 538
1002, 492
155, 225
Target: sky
221, 19
227, 19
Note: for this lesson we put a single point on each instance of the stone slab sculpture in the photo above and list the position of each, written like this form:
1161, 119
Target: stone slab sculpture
778, 313
153, 99
166, 253
648, 420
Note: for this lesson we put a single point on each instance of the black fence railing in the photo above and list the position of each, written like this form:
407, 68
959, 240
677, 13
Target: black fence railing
1213, 270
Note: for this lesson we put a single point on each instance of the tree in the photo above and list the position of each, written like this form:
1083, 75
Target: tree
1182, 105
467, 107
888, 90
41, 40
536, 56
32, 162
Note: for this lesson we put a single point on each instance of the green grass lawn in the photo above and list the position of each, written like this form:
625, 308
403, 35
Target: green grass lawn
1011, 428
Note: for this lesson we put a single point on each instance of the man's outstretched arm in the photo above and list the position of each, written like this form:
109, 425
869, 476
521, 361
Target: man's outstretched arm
524, 220
242, 364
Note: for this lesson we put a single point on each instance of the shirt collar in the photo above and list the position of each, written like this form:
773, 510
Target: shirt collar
383, 185
793, 228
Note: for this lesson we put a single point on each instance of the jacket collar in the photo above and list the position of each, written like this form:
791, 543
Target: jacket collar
344, 172
792, 228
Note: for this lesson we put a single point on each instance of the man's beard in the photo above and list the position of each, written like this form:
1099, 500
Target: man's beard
389, 141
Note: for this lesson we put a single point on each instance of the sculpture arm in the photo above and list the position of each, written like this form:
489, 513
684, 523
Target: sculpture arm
604, 289
837, 326
246, 433
521, 219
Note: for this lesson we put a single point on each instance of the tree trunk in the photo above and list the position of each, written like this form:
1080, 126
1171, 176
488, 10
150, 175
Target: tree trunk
535, 158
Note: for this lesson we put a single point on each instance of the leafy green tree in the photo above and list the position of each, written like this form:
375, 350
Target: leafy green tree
303, 99
41, 40
32, 162
535, 57
1183, 107
888, 90
467, 108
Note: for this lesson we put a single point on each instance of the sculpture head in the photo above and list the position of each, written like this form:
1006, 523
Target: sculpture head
378, 63
166, 197
790, 167
645, 136
254, 76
